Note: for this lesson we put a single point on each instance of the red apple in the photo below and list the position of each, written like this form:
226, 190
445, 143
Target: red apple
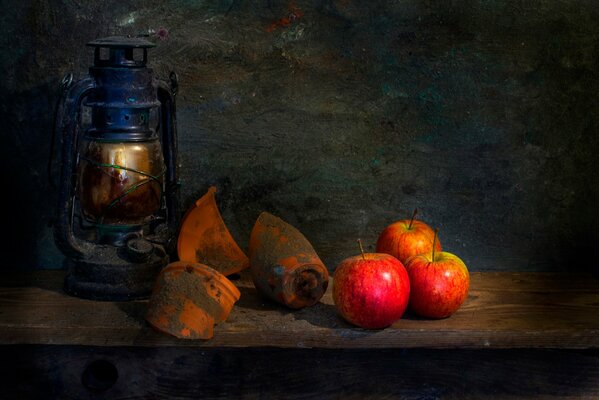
406, 238
439, 284
371, 290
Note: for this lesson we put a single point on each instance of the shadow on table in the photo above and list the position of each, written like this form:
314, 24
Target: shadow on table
320, 314
135, 310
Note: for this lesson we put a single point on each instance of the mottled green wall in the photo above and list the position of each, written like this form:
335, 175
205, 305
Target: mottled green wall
483, 114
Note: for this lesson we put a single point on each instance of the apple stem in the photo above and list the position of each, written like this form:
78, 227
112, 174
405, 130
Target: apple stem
413, 216
361, 249
434, 243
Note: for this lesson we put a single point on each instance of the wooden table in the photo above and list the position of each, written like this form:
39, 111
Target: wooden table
519, 335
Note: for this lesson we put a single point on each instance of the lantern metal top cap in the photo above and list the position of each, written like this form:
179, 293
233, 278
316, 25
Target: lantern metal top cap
122, 42
123, 52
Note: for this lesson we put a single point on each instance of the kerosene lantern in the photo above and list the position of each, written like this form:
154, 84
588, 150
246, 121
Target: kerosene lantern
118, 209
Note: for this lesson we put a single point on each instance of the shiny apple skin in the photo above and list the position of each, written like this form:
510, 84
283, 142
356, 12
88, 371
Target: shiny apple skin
371, 292
403, 242
439, 288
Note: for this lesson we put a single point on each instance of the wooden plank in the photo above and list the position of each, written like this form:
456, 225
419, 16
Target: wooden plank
504, 310
57, 372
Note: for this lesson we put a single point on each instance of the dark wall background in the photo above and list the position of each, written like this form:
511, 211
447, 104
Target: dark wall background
483, 114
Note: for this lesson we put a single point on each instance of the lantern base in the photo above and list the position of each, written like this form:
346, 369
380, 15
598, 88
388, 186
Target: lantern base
112, 274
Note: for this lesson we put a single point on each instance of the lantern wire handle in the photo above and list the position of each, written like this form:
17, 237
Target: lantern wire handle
65, 85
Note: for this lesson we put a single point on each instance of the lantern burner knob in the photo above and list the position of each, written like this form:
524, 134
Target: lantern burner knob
139, 249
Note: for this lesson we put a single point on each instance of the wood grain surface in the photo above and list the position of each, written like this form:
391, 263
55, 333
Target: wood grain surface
58, 372
504, 310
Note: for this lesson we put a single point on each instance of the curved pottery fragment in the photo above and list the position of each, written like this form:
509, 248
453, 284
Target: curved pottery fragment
284, 265
189, 299
204, 238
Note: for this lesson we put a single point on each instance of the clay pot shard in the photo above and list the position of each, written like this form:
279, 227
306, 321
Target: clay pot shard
204, 238
189, 299
284, 265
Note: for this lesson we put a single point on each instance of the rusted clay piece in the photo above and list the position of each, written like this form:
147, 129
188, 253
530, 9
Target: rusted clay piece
204, 238
284, 265
189, 299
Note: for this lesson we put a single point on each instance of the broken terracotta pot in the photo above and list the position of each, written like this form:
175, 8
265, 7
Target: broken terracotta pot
284, 265
204, 238
189, 299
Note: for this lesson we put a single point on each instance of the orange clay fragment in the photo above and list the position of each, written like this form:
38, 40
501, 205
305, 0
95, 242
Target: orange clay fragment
204, 238
284, 265
189, 299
